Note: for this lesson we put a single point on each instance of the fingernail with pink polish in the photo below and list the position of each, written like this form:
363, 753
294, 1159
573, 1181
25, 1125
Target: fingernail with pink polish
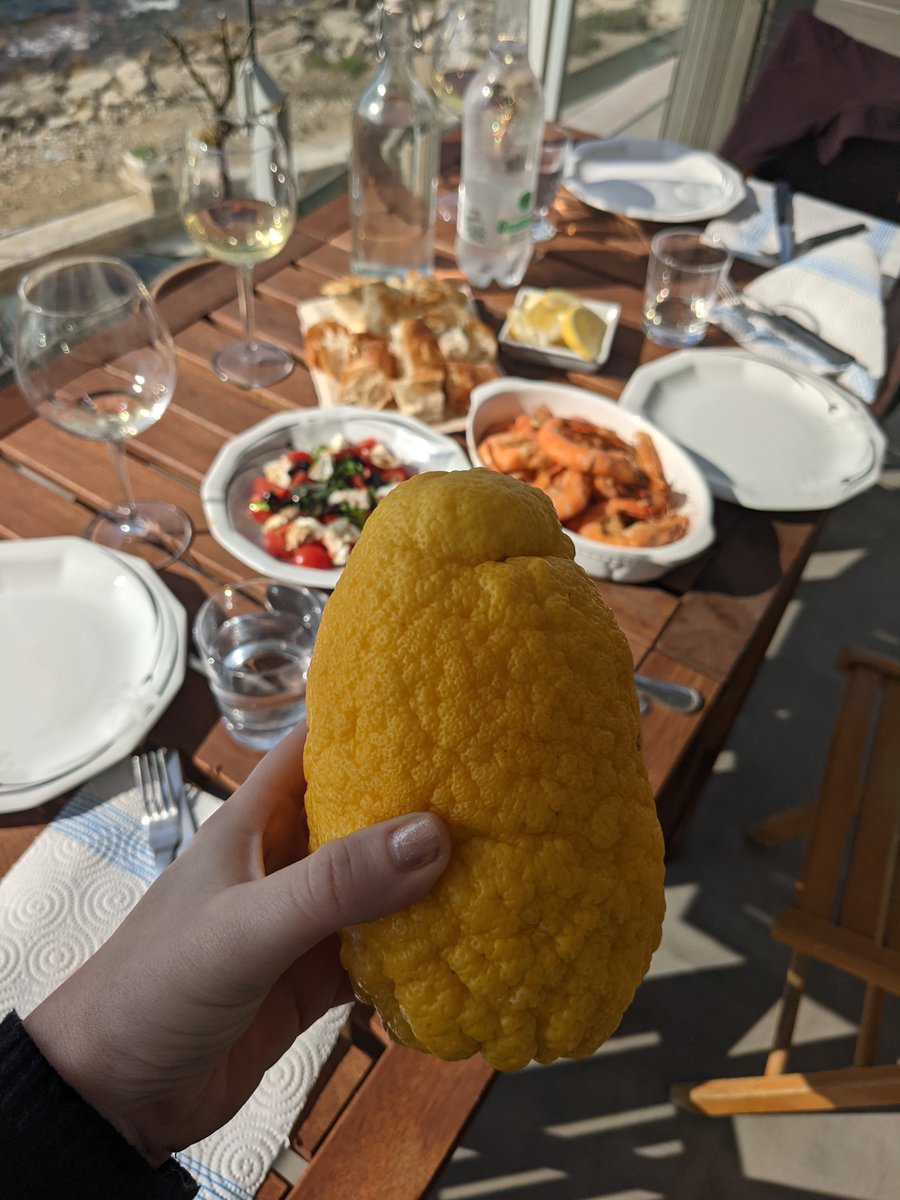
415, 843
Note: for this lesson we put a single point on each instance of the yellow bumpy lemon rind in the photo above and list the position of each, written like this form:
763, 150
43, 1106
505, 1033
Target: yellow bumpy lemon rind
466, 665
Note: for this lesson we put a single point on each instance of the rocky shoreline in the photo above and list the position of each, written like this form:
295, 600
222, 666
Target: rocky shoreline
63, 134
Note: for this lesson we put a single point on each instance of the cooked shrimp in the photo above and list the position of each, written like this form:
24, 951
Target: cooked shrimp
569, 490
657, 531
583, 447
639, 508
647, 458
514, 450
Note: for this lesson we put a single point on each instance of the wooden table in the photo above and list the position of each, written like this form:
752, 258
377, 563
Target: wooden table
383, 1119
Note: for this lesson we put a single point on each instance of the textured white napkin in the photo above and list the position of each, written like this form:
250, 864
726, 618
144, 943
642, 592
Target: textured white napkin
836, 292
62, 900
750, 232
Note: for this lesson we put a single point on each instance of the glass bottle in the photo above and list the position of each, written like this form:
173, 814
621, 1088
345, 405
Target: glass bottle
502, 131
394, 160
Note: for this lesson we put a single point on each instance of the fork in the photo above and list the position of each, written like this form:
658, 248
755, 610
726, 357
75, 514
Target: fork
785, 327
161, 818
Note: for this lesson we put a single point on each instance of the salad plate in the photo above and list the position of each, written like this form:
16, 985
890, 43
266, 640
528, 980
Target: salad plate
652, 180
765, 435
94, 652
233, 483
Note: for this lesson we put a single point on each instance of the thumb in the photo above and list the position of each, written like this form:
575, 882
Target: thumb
348, 881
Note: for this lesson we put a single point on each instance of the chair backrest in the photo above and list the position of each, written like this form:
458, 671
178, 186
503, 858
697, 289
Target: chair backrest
824, 115
850, 880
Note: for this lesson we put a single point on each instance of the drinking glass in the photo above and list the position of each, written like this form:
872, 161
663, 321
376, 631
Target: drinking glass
238, 200
93, 357
554, 151
684, 275
256, 640
461, 46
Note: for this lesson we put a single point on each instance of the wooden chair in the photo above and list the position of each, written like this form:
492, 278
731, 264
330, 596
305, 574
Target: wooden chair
847, 907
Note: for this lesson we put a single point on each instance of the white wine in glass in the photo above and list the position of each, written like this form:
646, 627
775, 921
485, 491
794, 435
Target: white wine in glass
238, 202
93, 356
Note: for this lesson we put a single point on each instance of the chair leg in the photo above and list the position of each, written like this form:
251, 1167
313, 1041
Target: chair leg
869, 1027
782, 826
794, 983
819, 1091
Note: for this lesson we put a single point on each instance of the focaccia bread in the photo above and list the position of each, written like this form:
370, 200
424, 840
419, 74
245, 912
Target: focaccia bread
404, 342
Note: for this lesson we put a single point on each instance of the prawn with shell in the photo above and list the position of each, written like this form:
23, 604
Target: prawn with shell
602, 486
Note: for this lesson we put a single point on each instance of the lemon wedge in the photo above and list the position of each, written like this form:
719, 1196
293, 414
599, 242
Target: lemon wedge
538, 318
582, 331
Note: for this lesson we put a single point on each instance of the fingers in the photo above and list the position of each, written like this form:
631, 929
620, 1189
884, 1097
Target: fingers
349, 881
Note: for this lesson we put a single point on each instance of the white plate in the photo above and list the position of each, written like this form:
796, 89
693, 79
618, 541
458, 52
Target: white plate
652, 180
561, 357
94, 652
225, 489
501, 400
766, 436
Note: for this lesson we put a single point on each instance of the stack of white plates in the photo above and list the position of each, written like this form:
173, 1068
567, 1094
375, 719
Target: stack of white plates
92, 646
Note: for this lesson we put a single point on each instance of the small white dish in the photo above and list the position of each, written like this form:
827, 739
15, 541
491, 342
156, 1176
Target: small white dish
225, 489
94, 652
561, 357
500, 401
652, 180
765, 435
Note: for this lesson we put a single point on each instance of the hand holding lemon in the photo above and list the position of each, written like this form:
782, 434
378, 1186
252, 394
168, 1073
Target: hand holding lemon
557, 318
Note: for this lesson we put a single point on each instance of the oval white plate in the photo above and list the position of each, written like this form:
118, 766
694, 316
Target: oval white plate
501, 400
226, 487
94, 652
652, 180
766, 436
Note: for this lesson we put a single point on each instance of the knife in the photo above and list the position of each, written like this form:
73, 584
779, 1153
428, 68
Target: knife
822, 239
833, 355
784, 219
188, 825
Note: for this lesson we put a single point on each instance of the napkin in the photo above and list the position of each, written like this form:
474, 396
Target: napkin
750, 232
66, 895
836, 292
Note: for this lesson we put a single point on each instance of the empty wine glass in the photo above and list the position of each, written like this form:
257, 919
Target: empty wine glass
461, 46
93, 357
238, 200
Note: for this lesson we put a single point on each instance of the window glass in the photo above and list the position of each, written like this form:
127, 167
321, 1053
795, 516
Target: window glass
84, 81
620, 64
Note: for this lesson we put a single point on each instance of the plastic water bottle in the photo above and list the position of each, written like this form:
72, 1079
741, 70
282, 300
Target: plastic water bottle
502, 132
394, 160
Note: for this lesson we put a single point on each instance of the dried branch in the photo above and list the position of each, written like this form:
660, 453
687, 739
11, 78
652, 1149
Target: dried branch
230, 59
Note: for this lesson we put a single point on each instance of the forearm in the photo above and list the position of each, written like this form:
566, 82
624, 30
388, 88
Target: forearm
53, 1143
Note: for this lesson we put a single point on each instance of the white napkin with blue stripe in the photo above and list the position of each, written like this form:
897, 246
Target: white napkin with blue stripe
836, 290
750, 232
62, 900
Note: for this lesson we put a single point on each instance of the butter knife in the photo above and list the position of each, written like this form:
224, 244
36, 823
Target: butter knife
784, 219
794, 331
176, 779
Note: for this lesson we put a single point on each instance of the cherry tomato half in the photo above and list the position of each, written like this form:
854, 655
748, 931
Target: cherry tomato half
273, 541
311, 554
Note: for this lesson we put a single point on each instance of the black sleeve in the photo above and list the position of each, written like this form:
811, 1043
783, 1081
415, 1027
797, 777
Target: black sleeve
53, 1144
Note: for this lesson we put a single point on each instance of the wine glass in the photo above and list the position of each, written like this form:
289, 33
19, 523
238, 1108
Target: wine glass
93, 357
461, 45
238, 200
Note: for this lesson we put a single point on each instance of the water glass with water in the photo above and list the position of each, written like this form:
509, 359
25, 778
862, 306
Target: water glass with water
683, 280
552, 164
256, 639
